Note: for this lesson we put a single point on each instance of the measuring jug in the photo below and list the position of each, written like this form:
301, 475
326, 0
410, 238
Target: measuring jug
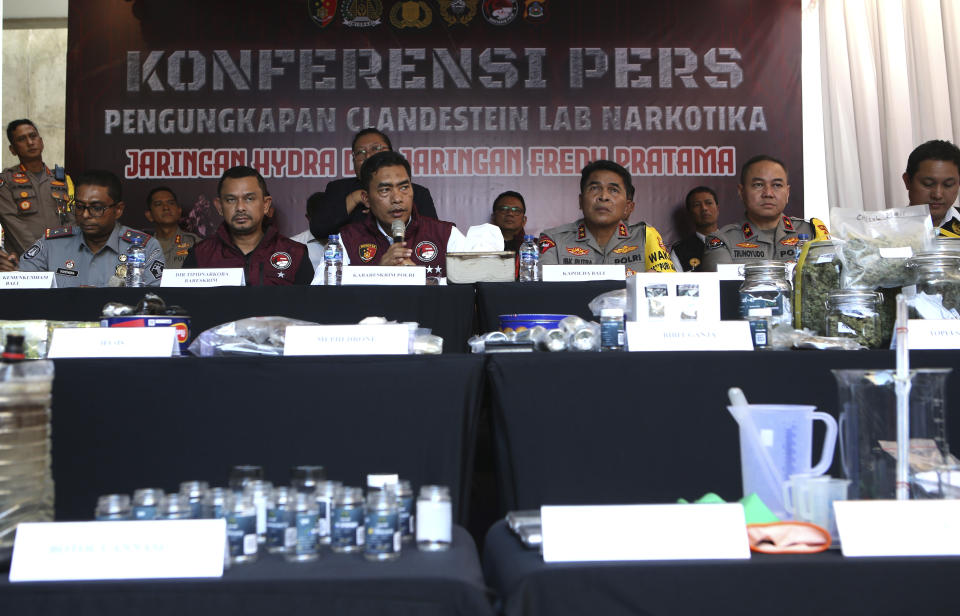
868, 420
776, 442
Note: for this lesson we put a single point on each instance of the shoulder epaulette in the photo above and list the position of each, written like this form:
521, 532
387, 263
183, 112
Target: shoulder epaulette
57, 232
129, 234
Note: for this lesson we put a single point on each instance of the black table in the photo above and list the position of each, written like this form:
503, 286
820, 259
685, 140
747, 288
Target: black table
119, 425
448, 310
577, 428
496, 298
824, 583
419, 583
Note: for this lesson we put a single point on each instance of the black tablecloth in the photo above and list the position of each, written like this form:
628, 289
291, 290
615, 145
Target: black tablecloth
825, 583
575, 428
447, 310
418, 583
119, 425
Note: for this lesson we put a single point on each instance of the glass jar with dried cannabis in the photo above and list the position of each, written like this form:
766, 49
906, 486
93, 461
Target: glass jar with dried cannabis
817, 273
938, 273
855, 313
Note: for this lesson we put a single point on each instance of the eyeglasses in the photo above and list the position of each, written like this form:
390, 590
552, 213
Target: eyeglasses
375, 148
94, 208
511, 209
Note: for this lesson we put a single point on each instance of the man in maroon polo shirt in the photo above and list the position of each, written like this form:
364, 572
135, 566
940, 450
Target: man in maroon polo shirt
267, 258
388, 193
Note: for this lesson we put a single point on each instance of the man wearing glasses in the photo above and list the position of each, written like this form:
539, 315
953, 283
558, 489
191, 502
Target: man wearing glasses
510, 215
344, 202
93, 253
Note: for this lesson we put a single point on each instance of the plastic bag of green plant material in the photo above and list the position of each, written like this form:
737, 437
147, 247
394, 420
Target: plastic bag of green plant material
877, 244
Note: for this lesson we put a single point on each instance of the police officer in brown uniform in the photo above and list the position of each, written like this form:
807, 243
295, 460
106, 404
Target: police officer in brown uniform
33, 197
164, 211
764, 233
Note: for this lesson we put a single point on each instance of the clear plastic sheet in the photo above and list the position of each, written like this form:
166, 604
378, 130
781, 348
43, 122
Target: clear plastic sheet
250, 336
611, 299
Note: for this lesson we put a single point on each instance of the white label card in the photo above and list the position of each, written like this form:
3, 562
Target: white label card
113, 342
203, 277
57, 551
643, 532
690, 336
347, 340
575, 273
730, 271
933, 334
899, 528
384, 275
28, 280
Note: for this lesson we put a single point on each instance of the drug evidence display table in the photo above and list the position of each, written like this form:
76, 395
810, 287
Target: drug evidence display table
441, 584
447, 310
578, 428
825, 583
119, 425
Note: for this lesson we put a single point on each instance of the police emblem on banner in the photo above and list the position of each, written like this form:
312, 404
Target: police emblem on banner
500, 12
426, 251
458, 11
411, 14
281, 260
535, 11
322, 12
362, 13
368, 252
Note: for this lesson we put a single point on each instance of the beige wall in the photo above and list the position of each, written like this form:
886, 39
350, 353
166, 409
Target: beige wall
35, 86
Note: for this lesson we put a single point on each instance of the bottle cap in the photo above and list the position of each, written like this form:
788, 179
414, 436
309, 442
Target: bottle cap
13, 350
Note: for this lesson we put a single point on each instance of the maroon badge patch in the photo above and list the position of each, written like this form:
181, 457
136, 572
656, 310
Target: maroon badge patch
70, 264
546, 244
715, 242
281, 260
322, 12
787, 224
623, 231
368, 252
426, 251
747, 230
581, 232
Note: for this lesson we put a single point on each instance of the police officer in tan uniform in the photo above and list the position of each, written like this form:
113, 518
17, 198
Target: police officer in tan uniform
164, 211
603, 235
764, 233
33, 197
94, 252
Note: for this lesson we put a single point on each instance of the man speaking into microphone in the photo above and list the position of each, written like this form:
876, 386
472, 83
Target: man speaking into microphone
393, 233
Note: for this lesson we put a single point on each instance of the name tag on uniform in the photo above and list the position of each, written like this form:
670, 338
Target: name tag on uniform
28, 280
205, 277
573, 273
384, 275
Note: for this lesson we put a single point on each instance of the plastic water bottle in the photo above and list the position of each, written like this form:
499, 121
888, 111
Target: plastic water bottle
136, 263
333, 261
529, 260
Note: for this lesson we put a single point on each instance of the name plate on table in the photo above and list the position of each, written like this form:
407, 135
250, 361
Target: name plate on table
347, 340
575, 273
127, 550
28, 280
205, 277
384, 275
644, 532
899, 528
691, 336
113, 342
933, 334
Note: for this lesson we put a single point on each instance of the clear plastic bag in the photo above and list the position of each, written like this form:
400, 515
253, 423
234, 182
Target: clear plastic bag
251, 336
877, 245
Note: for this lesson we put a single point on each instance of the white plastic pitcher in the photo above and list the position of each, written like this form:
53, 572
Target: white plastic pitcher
785, 434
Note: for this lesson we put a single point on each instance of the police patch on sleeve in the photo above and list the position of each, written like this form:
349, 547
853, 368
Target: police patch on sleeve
715, 242
157, 269
32, 252
546, 243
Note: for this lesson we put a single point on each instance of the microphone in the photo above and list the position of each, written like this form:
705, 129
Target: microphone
397, 231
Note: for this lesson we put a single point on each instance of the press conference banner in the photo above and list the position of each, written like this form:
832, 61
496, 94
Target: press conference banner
481, 96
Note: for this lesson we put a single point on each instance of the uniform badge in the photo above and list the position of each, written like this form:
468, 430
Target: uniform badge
57, 183
32, 252
622, 230
787, 223
20, 178
24, 194
368, 252
411, 14
157, 269
625, 249
535, 11
122, 258
546, 244
362, 13
281, 260
70, 264
129, 234
65, 272
56, 232
458, 11
426, 251
747, 230
789, 241
693, 262
500, 12
715, 242
576, 250
121, 270
25, 206
662, 247
322, 12
748, 245
581, 232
